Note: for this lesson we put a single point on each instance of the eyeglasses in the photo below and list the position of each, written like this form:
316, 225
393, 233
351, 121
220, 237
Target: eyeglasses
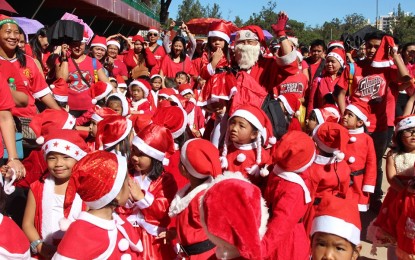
152, 34
408, 133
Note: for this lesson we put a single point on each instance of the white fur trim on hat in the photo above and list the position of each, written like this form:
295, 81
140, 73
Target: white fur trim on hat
243, 35
112, 42
187, 164
116, 187
153, 31
148, 150
186, 91
124, 103
252, 119
104, 94
96, 117
220, 35
336, 226
140, 85
124, 135
65, 147
319, 115
286, 104
355, 110
337, 57
99, 45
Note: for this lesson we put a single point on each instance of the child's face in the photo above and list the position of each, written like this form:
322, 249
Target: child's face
311, 124
350, 120
137, 93
60, 165
408, 139
156, 85
181, 79
241, 131
328, 246
188, 95
216, 107
116, 106
216, 43
141, 162
93, 128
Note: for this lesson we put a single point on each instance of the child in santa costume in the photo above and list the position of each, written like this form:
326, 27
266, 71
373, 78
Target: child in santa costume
101, 180
152, 191
45, 202
249, 132
118, 103
235, 237
156, 82
196, 118
139, 91
199, 163
328, 113
362, 161
121, 85
399, 170
290, 105
288, 197
13, 242
329, 173
336, 230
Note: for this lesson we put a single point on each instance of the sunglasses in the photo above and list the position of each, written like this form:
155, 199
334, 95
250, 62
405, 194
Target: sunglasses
152, 34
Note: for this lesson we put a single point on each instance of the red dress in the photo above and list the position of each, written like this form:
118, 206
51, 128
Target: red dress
185, 207
91, 237
150, 214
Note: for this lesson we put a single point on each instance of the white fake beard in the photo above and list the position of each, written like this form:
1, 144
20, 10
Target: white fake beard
247, 55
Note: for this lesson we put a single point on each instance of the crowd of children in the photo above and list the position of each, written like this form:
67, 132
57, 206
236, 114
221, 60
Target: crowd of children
217, 161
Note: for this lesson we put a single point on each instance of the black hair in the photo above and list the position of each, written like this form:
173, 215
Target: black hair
318, 42
180, 140
3, 197
329, 99
376, 35
35, 45
170, 82
156, 170
21, 31
20, 55
405, 47
179, 73
112, 98
144, 77
155, 77
124, 147
313, 116
183, 53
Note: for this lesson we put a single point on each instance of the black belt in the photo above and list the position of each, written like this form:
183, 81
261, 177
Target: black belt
223, 69
198, 248
355, 173
316, 201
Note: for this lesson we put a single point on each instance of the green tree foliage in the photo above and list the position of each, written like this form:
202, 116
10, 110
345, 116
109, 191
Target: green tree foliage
213, 11
190, 9
403, 28
238, 21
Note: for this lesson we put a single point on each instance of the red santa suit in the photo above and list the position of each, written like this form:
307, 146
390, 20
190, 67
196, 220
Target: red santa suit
36, 167
142, 106
196, 120
185, 207
151, 214
106, 239
362, 163
320, 87
159, 54
287, 197
173, 169
15, 244
328, 177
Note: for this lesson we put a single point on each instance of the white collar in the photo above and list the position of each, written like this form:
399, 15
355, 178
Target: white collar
97, 221
294, 178
359, 130
245, 147
322, 160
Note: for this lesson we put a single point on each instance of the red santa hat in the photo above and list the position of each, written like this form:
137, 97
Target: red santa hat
143, 84
291, 103
221, 29
251, 32
100, 90
99, 41
153, 29
361, 110
339, 217
115, 43
137, 38
155, 141
101, 112
98, 178
124, 103
200, 158
335, 44
404, 122
140, 122
261, 122
67, 142
294, 152
213, 93
112, 130
331, 138
166, 92
85, 37
15, 244
339, 54
180, 101
60, 90
185, 89
173, 118
382, 58
328, 113
220, 213
121, 82
49, 120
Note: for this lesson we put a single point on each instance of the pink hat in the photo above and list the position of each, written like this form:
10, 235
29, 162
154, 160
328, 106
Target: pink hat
328, 113
99, 91
49, 120
67, 142
381, 58
331, 138
339, 217
99, 41
141, 83
112, 130
220, 211
60, 90
200, 158
173, 118
221, 29
124, 103
339, 54
291, 103
294, 152
155, 141
361, 110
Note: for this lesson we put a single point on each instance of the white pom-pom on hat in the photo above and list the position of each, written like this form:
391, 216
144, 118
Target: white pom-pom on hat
264, 171
352, 159
52, 86
123, 244
272, 140
297, 113
64, 224
40, 140
94, 101
353, 139
241, 157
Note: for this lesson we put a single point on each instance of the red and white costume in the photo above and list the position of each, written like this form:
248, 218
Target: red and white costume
15, 244
106, 239
142, 106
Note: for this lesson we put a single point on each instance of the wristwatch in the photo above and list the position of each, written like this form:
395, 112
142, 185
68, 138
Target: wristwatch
34, 244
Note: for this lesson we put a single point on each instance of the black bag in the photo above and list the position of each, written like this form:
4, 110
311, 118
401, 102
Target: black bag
272, 108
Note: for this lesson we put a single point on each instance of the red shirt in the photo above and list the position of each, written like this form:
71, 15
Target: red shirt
6, 100
159, 54
119, 69
170, 68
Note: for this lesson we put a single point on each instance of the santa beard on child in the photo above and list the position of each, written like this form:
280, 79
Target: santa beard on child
247, 55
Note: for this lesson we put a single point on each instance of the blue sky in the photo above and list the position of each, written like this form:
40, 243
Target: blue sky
310, 12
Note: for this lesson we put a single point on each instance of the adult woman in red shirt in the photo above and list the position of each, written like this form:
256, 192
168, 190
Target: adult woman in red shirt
139, 58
